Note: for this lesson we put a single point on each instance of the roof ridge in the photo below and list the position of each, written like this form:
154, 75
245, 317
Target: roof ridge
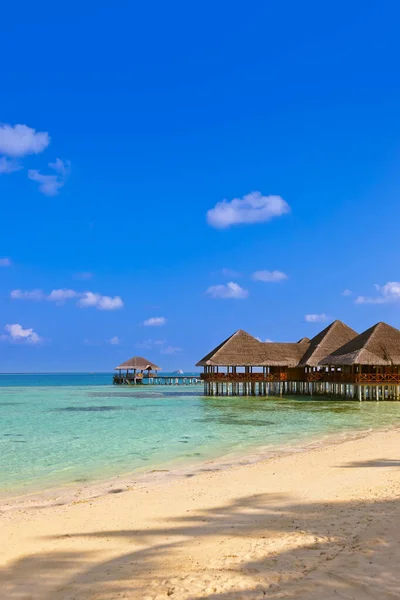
328, 340
214, 353
374, 330
138, 362
379, 341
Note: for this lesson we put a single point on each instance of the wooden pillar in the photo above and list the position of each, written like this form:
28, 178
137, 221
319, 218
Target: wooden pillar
236, 383
264, 386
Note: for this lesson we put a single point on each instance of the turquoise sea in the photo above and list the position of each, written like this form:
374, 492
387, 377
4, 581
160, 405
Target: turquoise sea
71, 428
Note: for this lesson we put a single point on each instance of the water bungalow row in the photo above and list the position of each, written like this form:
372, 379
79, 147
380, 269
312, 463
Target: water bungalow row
335, 362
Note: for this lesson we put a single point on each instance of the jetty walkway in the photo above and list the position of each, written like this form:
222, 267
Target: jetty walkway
156, 379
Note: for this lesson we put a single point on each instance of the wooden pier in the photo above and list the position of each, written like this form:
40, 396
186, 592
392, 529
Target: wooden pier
140, 371
155, 379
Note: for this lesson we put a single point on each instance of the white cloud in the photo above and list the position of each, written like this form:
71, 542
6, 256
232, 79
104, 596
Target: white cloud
27, 295
388, 293
347, 292
313, 318
55, 295
155, 321
18, 334
252, 208
8, 166
61, 167
61, 296
159, 342
269, 276
5, 262
266, 341
114, 341
89, 299
21, 140
86, 299
171, 350
230, 290
50, 185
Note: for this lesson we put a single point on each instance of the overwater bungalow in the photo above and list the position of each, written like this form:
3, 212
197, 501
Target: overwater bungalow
369, 364
139, 370
242, 365
136, 368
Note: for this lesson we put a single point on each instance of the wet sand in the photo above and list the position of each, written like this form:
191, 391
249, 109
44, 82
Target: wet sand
323, 523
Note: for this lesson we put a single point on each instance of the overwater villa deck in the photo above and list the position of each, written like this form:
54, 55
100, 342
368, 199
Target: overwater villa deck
139, 371
336, 362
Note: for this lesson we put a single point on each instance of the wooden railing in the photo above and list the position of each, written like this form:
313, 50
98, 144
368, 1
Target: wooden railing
243, 377
377, 378
354, 378
312, 377
329, 377
339, 377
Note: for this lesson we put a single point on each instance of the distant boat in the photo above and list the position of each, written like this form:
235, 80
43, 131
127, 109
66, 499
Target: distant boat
178, 372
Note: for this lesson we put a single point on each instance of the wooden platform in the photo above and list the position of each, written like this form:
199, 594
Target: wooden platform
157, 380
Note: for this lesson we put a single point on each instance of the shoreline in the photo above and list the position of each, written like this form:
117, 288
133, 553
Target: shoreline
99, 439
69, 493
317, 524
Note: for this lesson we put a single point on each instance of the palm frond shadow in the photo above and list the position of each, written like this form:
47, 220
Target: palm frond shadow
292, 549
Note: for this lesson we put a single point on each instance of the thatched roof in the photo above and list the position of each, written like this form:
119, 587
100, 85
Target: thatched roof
139, 363
379, 345
326, 342
284, 354
242, 349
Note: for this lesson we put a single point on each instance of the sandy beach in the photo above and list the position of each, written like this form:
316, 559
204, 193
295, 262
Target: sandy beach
324, 523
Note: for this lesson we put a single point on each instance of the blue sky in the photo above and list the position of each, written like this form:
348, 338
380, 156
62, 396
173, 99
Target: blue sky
139, 121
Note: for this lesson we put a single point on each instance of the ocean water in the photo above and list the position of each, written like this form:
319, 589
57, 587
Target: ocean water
74, 428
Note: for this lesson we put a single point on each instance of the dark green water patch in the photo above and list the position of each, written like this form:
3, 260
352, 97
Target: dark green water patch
178, 394
232, 420
130, 395
89, 408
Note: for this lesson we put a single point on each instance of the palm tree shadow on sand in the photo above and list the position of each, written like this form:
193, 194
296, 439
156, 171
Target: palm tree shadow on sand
282, 549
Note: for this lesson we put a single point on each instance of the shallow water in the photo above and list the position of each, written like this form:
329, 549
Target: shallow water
64, 429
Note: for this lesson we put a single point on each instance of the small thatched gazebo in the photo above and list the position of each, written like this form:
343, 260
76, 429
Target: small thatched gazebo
138, 365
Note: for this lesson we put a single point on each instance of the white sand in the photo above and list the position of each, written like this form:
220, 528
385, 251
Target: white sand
319, 524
